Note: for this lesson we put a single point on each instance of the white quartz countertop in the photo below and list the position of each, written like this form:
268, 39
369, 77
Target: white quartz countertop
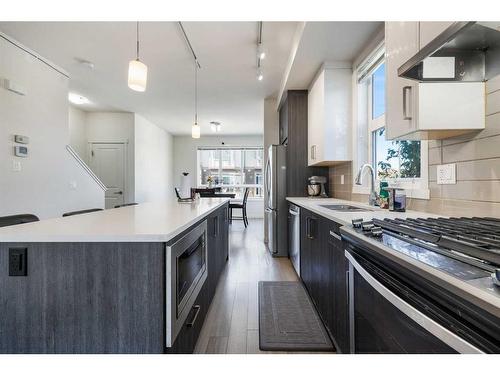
146, 222
344, 218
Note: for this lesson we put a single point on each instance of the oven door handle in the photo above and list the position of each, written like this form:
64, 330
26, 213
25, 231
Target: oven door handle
191, 323
437, 330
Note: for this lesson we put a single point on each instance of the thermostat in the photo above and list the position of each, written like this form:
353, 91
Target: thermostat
21, 139
21, 151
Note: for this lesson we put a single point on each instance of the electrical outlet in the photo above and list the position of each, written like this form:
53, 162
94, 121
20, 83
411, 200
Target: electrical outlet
446, 174
342, 181
18, 262
16, 166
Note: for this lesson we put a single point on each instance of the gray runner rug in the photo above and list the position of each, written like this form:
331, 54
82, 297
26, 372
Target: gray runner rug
288, 320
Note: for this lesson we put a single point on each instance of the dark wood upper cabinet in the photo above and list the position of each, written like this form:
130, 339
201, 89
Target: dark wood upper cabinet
293, 134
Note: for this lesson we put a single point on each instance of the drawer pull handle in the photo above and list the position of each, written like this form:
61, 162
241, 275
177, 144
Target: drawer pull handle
335, 235
197, 308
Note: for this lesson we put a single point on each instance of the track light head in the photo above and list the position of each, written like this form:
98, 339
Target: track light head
261, 53
260, 75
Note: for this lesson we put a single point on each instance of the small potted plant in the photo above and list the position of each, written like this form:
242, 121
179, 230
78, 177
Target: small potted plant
210, 181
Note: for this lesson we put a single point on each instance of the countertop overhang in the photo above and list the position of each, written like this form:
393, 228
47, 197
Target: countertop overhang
146, 222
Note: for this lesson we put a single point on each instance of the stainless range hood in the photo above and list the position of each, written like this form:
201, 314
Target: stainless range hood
464, 52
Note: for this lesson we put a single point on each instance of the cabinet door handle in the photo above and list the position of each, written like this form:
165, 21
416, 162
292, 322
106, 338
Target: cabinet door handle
313, 152
347, 286
216, 226
335, 235
197, 308
309, 220
406, 89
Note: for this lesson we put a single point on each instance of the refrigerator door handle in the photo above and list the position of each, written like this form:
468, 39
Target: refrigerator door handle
268, 182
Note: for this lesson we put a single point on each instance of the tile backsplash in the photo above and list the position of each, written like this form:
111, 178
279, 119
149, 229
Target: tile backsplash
477, 158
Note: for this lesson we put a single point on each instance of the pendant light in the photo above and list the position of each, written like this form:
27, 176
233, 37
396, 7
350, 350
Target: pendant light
137, 70
195, 129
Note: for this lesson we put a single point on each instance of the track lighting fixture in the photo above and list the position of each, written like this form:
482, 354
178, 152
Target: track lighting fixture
195, 128
215, 126
260, 75
261, 54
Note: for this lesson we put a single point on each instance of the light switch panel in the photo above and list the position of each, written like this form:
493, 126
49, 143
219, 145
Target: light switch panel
446, 174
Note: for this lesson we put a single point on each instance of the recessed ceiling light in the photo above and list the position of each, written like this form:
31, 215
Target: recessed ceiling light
77, 99
85, 63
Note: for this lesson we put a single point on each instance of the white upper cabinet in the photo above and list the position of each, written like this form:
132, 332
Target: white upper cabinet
329, 116
427, 110
401, 43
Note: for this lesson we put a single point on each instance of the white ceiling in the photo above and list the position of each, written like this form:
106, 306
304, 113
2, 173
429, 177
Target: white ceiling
228, 89
327, 41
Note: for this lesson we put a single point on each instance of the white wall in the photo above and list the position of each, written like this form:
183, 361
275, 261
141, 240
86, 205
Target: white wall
185, 160
50, 181
78, 131
271, 137
109, 127
153, 162
149, 172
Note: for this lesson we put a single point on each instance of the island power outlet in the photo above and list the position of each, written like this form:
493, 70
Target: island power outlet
18, 262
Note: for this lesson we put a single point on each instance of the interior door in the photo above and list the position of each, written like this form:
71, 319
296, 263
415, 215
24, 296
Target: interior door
107, 161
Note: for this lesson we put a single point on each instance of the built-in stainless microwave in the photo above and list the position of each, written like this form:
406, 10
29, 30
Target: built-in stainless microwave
186, 272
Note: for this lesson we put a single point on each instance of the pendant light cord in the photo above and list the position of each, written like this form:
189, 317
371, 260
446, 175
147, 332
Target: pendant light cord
137, 38
196, 94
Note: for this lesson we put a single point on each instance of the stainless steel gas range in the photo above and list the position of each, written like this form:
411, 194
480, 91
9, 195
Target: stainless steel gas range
424, 285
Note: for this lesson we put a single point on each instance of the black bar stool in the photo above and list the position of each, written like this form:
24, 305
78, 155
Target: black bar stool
126, 205
242, 206
81, 212
6, 221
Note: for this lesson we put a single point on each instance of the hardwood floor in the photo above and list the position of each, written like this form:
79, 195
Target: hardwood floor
232, 323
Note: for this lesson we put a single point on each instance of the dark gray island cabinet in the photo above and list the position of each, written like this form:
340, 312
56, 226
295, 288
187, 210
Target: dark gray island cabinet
102, 282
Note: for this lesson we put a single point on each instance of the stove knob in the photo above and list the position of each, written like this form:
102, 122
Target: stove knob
376, 232
367, 225
356, 223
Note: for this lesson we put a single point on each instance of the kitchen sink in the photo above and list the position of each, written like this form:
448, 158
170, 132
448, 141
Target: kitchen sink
344, 208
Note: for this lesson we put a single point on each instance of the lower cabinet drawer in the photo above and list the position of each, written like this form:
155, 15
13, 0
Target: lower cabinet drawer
186, 340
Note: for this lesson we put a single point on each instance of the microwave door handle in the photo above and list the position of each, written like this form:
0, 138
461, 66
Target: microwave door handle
437, 330
197, 308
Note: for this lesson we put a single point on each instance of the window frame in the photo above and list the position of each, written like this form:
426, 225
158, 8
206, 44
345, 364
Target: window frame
415, 187
242, 149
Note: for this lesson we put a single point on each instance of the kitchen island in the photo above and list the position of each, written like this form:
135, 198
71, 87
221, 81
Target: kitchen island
103, 282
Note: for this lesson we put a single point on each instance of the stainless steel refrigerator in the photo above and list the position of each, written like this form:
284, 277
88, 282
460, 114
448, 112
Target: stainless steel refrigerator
276, 207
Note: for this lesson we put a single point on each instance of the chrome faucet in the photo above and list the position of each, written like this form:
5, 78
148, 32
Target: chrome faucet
372, 201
